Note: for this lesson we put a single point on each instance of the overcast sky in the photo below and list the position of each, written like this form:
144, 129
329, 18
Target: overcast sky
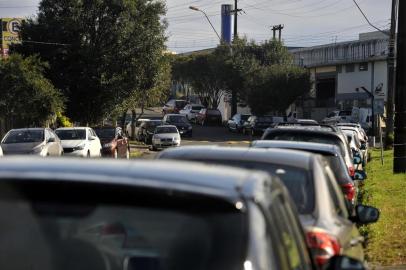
307, 22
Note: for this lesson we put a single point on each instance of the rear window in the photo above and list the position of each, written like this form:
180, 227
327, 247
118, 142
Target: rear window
147, 230
298, 182
180, 104
24, 136
306, 137
213, 112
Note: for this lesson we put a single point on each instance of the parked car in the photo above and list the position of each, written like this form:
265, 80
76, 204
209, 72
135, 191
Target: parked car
31, 141
174, 106
165, 136
114, 143
331, 154
79, 142
326, 135
237, 121
256, 125
147, 129
330, 230
138, 123
190, 111
181, 123
362, 136
209, 116
338, 117
148, 215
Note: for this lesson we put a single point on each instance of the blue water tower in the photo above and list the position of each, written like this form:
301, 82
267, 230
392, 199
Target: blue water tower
226, 23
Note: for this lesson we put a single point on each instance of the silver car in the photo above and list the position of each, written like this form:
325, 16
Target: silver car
330, 230
32, 141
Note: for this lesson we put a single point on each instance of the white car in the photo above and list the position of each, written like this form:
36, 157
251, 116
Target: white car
1, 152
165, 136
191, 110
137, 126
79, 142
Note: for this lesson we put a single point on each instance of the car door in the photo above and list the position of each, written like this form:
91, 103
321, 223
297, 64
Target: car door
348, 235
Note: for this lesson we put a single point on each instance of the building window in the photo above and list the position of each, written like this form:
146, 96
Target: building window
363, 67
349, 68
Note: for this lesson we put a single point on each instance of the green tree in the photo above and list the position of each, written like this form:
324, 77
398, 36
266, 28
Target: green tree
100, 52
27, 98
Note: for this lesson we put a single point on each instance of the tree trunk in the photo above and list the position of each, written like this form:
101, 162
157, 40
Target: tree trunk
133, 121
123, 117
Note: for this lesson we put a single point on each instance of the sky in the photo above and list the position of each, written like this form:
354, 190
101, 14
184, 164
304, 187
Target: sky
306, 22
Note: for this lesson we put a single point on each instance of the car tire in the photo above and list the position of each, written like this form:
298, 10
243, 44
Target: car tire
127, 153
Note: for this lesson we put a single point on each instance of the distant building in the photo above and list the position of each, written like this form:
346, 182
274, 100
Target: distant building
10, 28
338, 69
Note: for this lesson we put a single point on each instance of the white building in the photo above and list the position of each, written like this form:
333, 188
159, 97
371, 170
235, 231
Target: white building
339, 69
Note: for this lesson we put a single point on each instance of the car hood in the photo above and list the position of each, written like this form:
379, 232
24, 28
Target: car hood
19, 148
71, 143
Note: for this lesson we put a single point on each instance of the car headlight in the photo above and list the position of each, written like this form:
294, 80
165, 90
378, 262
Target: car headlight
106, 145
80, 147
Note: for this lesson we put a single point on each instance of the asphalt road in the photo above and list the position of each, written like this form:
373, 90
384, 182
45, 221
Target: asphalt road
207, 135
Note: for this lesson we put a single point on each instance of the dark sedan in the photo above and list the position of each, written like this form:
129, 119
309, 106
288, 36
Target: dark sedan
209, 116
181, 123
147, 129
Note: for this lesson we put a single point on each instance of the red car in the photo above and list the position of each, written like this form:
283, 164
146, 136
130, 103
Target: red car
209, 116
114, 143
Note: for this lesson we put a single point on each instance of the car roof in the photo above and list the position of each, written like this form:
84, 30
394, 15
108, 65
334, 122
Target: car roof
301, 129
297, 159
191, 177
22, 129
319, 148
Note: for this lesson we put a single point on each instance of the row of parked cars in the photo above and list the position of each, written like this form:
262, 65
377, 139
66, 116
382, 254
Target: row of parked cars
286, 202
77, 142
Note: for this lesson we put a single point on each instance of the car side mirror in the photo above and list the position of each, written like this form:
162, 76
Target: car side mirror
365, 214
51, 140
357, 160
343, 263
360, 175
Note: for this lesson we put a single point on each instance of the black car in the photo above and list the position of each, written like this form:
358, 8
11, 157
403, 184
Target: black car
181, 123
256, 125
146, 130
237, 121
146, 215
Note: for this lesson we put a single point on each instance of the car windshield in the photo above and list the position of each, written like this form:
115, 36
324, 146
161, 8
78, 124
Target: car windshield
105, 133
24, 136
71, 134
168, 233
307, 137
177, 119
162, 130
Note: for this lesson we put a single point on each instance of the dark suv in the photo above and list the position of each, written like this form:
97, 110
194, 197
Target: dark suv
181, 123
209, 116
113, 141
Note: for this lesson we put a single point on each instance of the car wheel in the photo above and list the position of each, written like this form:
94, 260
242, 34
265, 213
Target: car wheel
127, 153
115, 154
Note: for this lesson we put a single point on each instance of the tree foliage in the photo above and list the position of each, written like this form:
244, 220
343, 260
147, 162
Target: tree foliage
105, 51
27, 98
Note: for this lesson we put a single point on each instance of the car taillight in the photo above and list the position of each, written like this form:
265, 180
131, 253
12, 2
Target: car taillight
351, 171
323, 246
349, 191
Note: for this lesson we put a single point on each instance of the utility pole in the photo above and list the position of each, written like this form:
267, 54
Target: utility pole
277, 28
391, 77
234, 91
399, 163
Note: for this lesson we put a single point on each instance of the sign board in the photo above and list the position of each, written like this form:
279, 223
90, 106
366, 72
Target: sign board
379, 106
10, 33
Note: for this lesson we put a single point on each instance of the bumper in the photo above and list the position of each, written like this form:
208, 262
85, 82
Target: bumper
166, 145
79, 153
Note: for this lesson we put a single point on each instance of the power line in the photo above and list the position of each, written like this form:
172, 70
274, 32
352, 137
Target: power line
366, 18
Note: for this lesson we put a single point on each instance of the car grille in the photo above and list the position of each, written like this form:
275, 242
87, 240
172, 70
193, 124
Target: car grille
166, 140
68, 150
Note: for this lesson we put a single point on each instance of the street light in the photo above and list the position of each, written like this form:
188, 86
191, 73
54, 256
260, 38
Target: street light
197, 9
